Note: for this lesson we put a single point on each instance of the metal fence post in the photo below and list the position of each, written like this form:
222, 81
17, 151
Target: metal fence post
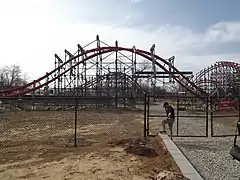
239, 107
148, 102
75, 124
211, 116
145, 116
177, 115
207, 117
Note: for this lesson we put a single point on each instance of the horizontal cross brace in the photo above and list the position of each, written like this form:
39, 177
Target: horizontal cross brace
141, 76
162, 72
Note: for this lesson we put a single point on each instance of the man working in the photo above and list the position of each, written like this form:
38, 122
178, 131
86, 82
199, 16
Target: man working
170, 118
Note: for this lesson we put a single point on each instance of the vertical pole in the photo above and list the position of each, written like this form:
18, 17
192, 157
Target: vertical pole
177, 115
60, 80
145, 116
148, 99
124, 87
169, 69
70, 75
97, 71
85, 78
211, 116
134, 72
239, 107
65, 76
108, 84
153, 81
238, 129
133, 60
78, 69
238, 113
239, 102
55, 85
207, 116
101, 70
75, 124
116, 78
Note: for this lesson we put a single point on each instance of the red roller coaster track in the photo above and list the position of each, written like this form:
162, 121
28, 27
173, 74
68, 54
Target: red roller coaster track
219, 64
219, 75
184, 81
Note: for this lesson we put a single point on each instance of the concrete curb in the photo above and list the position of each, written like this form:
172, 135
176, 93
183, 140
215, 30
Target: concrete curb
184, 165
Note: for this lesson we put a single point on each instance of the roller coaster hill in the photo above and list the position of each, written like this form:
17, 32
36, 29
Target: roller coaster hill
115, 75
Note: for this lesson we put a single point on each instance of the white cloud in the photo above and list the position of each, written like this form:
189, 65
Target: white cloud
31, 41
133, 1
127, 17
224, 32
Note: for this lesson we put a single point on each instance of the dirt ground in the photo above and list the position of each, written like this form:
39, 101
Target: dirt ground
110, 145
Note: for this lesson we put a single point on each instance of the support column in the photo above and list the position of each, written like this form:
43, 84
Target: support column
153, 81
116, 76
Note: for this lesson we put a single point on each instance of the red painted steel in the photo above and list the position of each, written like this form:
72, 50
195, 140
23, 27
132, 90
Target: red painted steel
191, 86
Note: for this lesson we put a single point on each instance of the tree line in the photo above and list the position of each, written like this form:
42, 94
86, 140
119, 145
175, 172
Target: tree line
12, 76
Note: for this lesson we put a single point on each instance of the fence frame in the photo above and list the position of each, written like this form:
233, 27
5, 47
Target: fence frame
212, 117
147, 115
209, 116
74, 101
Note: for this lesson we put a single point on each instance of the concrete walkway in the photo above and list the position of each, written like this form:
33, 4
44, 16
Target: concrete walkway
184, 165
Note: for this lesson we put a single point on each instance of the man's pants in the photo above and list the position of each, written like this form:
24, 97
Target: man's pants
170, 122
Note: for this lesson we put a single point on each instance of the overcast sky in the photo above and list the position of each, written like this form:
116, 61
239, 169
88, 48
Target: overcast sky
197, 32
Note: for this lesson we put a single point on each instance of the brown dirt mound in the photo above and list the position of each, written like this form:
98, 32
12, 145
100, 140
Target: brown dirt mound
155, 158
138, 146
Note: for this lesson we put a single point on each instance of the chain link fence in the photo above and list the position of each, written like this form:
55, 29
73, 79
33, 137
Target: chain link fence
44, 124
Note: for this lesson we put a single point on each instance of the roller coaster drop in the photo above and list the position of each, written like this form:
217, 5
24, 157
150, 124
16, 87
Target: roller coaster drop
113, 71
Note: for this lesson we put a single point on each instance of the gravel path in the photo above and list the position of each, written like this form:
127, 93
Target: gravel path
209, 155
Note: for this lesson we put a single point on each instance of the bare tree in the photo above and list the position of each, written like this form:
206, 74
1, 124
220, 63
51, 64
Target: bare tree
12, 76
144, 65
